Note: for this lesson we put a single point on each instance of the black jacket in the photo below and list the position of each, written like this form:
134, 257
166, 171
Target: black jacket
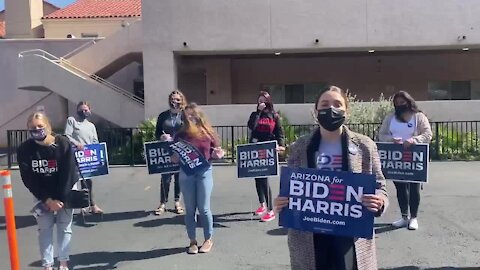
48, 171
163, 127
266, 126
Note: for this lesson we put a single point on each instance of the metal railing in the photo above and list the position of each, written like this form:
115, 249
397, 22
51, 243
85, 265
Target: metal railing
451, 140
68, 66
80, 48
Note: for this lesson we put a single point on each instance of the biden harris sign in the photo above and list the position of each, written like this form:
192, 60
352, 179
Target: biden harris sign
404, 164
158, 156
257, 159
326, 202
93, 160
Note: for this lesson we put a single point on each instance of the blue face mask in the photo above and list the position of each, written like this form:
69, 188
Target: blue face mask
38, 134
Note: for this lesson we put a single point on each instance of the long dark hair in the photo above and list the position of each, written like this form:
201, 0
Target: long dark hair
336, 89
412, 105
269, 103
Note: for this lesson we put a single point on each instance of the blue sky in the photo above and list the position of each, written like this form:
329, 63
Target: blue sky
58, 3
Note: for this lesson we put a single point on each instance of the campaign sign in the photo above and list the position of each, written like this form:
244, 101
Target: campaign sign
404, 164
326, 202
191, 160
93, 160
158, 156
257, 159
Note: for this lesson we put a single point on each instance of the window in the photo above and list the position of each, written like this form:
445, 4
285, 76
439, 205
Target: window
450, 90
294, 93
89, 35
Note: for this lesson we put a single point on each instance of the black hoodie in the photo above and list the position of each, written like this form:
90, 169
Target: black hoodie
48, 171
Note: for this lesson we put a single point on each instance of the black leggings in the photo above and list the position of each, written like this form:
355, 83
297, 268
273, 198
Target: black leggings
264, 192
408, 194
89, 186
165, 187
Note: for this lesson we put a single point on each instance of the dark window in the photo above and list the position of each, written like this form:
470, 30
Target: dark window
450, 90
294, 93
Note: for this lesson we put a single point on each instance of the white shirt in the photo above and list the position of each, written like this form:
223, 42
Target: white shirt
402, 130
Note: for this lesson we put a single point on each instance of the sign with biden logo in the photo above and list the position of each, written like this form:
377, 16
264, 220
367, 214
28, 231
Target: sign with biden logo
93, 160
257, 159
404, 164
158, 156
326, 202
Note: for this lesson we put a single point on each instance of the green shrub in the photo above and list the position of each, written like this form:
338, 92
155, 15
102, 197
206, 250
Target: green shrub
454, 144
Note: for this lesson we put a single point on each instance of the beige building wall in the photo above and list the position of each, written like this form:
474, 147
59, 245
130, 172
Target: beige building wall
192, 27
23, 18
103, 27
238, 80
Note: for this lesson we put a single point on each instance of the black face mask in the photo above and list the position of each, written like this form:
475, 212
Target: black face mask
174, 105
331, 119
83, 114
400, 109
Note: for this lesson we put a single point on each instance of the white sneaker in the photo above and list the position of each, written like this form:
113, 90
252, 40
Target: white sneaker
62, 267
413, 224
403, 222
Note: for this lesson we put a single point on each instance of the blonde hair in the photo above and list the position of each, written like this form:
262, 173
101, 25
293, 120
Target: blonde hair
183, 102
40, 116
202, 127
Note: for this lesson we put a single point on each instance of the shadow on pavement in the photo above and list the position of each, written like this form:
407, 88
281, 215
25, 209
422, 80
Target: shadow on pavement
278, 231
84, 220
217, 220
384, 227
109, 260
20, 222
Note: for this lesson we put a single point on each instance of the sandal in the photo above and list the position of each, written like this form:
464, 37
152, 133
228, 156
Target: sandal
160, 210
95, 209
178, 208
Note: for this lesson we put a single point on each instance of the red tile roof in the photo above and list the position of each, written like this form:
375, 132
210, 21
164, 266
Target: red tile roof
99, 9
2, 29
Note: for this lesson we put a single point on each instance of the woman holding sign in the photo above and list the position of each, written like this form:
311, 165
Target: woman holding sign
80, 131
169, 123
407, 126
265, 125
334, 147
197, 188
49, 170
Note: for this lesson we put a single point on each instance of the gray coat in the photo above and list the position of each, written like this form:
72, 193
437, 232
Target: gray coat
364, 160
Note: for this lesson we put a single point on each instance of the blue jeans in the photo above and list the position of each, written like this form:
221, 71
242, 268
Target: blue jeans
197, 190
63, 219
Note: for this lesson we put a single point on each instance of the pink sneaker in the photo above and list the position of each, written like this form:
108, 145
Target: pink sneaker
261, 210
268, 216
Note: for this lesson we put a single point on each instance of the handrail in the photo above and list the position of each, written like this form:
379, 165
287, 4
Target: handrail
91, 42
67, 65
102, 81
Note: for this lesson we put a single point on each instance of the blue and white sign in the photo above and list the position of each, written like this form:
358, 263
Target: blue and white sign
404, 164
257, 160
191, 160
326, 202
93, 160
158, 156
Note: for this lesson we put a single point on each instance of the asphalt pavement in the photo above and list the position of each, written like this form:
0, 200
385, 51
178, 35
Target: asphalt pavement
128, 236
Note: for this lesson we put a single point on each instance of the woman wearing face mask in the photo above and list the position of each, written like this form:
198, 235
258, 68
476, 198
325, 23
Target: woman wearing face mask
334, 147
407, 126
169, 123
80, 131
265, 125
49, 171
197, 188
